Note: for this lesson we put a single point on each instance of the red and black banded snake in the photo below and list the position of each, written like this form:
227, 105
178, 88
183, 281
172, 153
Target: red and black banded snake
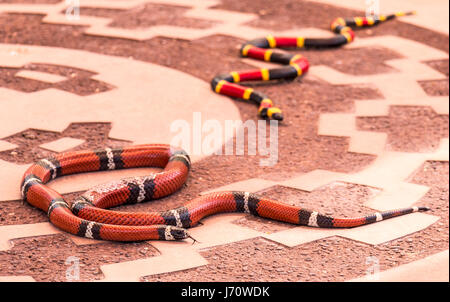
297, 65
87, 216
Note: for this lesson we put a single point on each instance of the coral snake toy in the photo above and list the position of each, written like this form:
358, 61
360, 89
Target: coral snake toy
87, 216
297, 65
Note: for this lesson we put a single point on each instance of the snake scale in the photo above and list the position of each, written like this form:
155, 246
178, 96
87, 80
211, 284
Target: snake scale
296, 65
87, 216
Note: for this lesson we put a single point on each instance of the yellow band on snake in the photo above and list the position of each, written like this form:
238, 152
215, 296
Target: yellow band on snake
265, 74
236, 77
245, 50
272, 111
219, 86
299, 70
267, 55
271, 40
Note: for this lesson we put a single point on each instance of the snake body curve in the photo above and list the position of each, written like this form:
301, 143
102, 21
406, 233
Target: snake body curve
88, 216
297, 65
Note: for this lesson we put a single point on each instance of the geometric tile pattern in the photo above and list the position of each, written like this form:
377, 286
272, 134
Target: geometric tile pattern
27, 146
35, 77
399, 88
388, 173
408, 128
54, 110
226, 22
220, 229
29, 109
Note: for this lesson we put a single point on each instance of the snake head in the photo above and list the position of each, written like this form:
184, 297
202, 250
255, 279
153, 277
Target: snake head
176, 233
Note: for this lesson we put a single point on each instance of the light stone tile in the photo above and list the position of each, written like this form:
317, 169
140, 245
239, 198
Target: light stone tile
62, 144
40, 76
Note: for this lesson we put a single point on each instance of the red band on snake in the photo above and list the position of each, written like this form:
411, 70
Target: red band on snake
88, 216
297, 65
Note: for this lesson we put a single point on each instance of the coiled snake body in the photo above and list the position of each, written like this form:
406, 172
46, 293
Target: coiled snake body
88, 216
297, 65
